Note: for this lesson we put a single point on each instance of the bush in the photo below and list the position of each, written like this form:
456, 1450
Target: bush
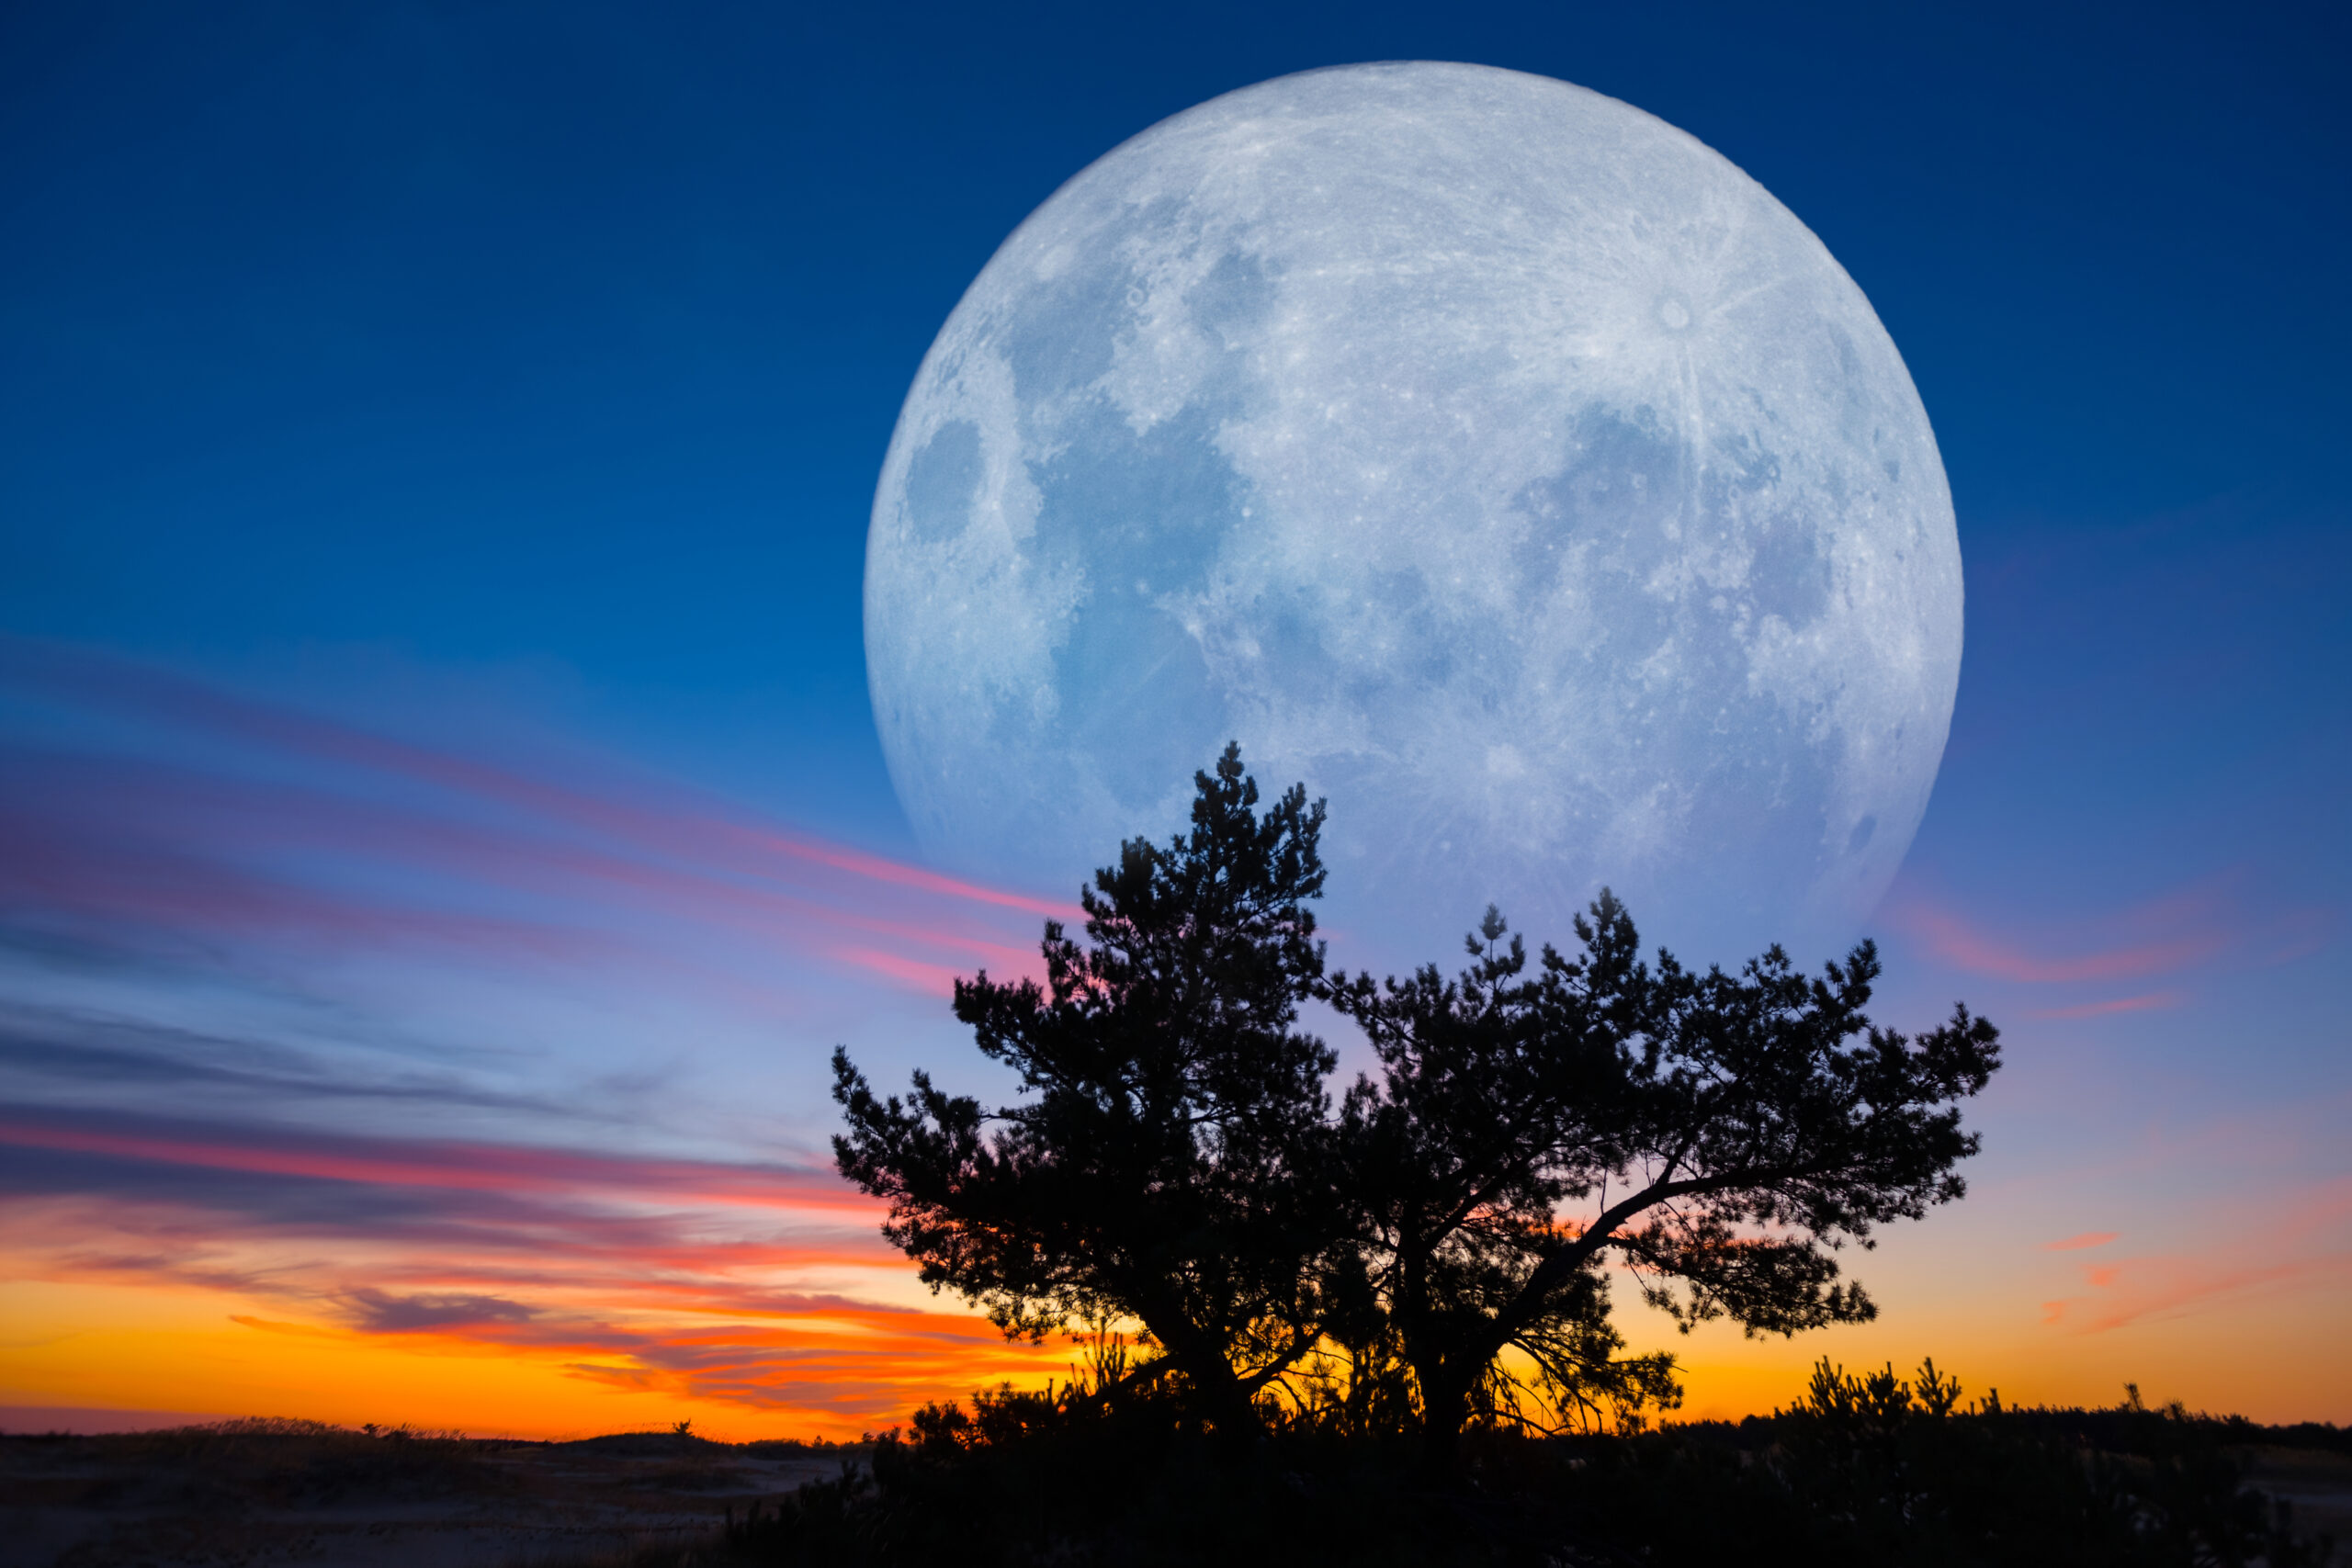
1869, 1471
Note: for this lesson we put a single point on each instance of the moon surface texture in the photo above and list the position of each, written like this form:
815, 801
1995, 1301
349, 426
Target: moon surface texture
1486, 453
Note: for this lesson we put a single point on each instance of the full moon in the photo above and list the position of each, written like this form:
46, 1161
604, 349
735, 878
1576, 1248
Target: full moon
1491, 455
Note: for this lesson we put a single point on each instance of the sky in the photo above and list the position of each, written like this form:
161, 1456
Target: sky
442, 827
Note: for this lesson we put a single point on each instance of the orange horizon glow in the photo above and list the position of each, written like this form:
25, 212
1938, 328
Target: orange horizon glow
642, 1316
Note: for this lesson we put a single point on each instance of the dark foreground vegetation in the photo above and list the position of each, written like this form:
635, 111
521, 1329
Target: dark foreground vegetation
1874, 1471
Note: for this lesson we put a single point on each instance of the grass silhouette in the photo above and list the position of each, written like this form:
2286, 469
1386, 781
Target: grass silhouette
1873, 1470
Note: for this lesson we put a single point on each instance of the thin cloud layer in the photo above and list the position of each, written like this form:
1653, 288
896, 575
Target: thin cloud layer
387, 1043
2206, 927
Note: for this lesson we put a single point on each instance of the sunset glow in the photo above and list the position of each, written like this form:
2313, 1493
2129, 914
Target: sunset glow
221, 1202
447, 648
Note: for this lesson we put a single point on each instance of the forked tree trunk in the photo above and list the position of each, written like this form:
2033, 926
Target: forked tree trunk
1219, 1397
1229, 1407
1445, 1405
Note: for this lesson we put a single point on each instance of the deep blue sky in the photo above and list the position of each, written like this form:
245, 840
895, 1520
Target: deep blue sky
575, 334
468, 370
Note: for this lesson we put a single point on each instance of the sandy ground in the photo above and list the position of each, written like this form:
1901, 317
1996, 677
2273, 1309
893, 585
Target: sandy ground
341, 1499
2316, 1483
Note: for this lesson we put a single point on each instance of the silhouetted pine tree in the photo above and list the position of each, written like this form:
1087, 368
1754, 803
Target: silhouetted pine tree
1727, 1132
1171, 1163
1175, 1162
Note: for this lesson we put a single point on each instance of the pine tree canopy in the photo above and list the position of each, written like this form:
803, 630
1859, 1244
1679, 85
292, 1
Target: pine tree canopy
1176, 1161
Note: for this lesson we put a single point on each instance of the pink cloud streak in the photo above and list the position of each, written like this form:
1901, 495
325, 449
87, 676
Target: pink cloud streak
688, 827
2151, 1001
1963, 946
2079, 1243
2300, 1242
479, 1168
158, 844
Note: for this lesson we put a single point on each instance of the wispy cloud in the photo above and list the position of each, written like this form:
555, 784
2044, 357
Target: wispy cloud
226, 816
2079, 1243
50, 1052
2301, 1243
663, 1276
368, 1036
381, 1313
381, 1163
2204, 926
2150, 1001
2044, 960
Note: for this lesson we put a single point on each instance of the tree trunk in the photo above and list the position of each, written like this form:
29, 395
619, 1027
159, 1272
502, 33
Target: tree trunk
1445, 1405
1218, 1395
1229, 1406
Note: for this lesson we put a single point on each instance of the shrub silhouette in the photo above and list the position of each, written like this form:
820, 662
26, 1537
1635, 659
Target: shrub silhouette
1869, 1471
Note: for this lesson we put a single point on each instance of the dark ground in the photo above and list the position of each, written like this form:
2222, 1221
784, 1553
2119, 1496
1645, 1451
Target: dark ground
288, 1492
